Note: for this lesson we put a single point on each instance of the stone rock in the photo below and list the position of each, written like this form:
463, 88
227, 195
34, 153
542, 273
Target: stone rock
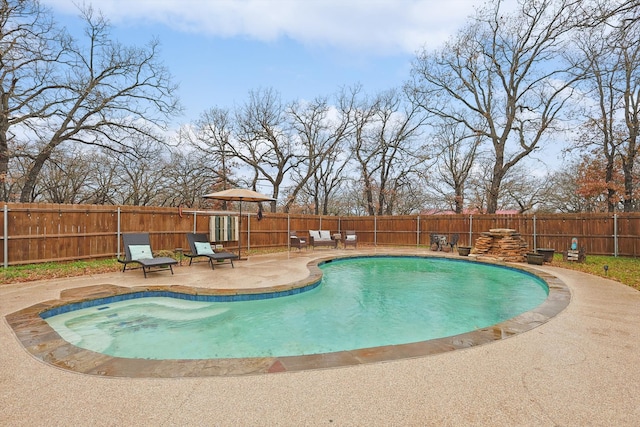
501, 243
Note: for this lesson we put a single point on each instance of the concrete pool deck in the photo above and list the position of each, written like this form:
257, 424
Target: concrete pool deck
579, 368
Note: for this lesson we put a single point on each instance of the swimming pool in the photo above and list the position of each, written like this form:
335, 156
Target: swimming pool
363, 302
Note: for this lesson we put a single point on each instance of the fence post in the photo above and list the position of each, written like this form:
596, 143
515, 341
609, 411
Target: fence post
534, 234
418, 232
471, 230
194, 222
375, 230
615, 235
288, 232
118, 232
6, 236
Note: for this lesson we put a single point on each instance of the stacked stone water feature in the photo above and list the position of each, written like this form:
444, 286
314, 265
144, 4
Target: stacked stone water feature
501, 243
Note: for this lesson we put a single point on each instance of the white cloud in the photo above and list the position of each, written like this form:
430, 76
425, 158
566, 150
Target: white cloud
377, 26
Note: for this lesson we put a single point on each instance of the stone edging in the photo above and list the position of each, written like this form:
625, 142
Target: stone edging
44, 343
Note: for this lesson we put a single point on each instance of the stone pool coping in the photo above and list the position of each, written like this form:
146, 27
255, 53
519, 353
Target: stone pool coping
45, 344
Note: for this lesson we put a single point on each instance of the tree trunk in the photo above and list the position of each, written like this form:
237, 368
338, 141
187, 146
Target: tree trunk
494, 188
4, 160
611, 192
4, 145
627, 168
459, 199
26, 195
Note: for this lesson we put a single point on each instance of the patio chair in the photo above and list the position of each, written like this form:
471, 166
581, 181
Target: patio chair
434, 242
453, 242
350, 239
296, 242
137, 249
199, 246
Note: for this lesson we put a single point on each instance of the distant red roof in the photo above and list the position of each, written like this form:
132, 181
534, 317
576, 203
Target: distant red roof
468, 212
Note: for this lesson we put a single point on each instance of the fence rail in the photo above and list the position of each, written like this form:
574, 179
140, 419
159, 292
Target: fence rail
36, 233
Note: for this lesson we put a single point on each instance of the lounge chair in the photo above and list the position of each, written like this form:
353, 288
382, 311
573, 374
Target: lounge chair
321, 238
350, 239
137, 249
297, 242
200, 247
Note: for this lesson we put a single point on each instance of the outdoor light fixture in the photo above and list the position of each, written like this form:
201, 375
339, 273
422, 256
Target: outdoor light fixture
606, 270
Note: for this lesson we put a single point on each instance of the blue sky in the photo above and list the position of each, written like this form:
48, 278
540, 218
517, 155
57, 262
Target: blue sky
219, 50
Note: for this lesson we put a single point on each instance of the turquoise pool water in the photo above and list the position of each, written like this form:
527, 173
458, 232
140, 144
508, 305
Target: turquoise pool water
362, 302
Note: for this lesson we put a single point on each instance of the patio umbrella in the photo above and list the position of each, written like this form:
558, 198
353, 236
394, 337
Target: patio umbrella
239, 195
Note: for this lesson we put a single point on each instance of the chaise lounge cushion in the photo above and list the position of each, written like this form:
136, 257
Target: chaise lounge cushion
203, 248
139, 252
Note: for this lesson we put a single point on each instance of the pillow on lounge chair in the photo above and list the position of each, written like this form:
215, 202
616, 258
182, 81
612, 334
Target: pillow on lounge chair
315, 234
351, 237
203, 248
325, 235
139, 252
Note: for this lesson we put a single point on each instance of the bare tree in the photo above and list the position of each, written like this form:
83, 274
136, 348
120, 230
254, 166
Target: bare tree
505, 72
103, 180
188, 175
629, 58
66, 177
140, 179
525, 191
566, 197
57, 91
599, 130
213, 134
347, 198
31, 47
384, 146
610, 55
211, 138
323, 132
456, 153
595, 13
263, 140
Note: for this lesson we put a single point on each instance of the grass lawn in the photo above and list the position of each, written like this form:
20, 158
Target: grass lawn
54, 270
621, 269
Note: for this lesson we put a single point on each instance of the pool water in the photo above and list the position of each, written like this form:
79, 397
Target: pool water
362, 302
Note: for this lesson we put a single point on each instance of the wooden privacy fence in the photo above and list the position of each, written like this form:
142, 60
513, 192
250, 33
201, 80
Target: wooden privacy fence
36, 233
